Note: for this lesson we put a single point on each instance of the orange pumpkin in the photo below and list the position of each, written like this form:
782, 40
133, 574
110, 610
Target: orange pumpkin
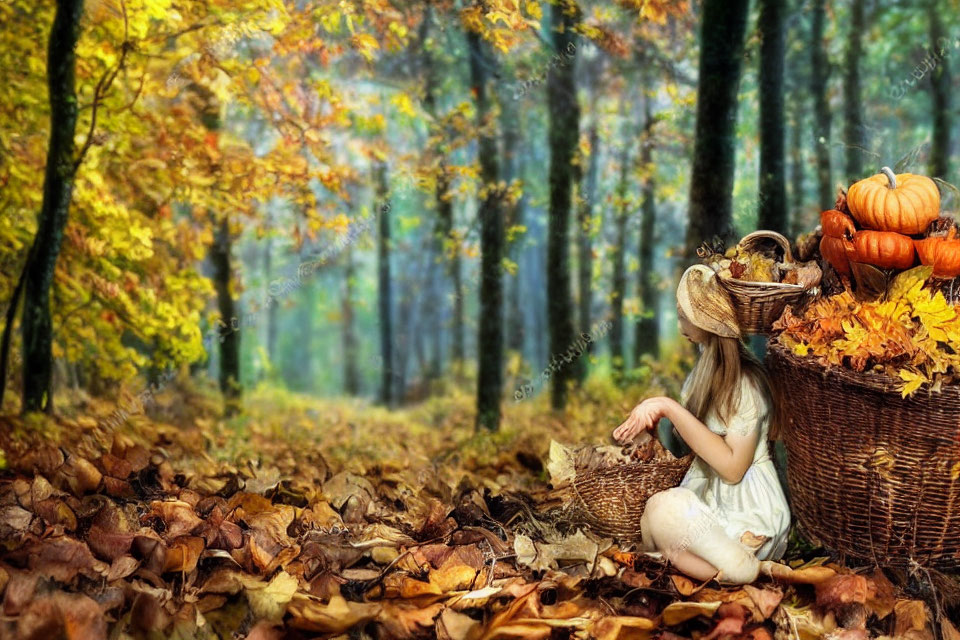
884, 249
836, 224
942, 253
905, 203
838, 252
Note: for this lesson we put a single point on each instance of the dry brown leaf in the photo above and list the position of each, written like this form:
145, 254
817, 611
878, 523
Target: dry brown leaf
766, 599
264, 630
40, 490
732, 618
456, 626
679, 612
56, 512
453, 578
849, 634
532, 630
335, 616
268, 600
621, 627
14, 521
147, 612
842, 589
403, 620
183, 554
109, 545
802, 623
948, 631
148, 546
685, 586
115, 466
413, 588
62, 615
635, 579
178, 517
61, 558
19, 592
911, 615
320, 515
80, 475
880, 595
121, 568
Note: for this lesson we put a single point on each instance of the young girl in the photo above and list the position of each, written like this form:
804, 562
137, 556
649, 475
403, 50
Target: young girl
730, 512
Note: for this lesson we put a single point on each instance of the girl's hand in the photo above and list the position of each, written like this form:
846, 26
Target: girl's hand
644, 416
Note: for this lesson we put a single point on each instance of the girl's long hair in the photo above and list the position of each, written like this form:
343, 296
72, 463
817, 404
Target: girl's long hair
715, 382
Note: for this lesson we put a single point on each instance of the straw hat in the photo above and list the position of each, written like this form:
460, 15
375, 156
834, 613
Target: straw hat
705, 304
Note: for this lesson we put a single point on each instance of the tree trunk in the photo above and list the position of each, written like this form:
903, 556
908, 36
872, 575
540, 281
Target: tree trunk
648, 325
773, 190
797, 218
230, 339
940, 97
271, 308
41, 264
619, 276
515, 323
456, 273
490, 332
564, 123
351, 349
852, 109
382, 206
588, 192
819, 73
305, 377
444, 200
512, 138
711, 181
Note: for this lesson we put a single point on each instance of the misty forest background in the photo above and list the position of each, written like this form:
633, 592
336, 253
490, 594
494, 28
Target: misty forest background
395, 201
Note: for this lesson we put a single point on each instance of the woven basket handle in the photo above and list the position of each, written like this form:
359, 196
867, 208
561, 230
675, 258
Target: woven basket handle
749, 240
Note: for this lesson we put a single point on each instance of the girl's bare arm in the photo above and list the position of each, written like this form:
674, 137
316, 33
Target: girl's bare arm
729, 455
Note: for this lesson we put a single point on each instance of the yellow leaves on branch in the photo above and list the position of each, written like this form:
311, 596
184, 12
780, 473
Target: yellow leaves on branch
912, 333
365, 44
502, 22
656, 10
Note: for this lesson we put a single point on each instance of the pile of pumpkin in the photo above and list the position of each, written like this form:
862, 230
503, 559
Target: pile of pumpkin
896, 216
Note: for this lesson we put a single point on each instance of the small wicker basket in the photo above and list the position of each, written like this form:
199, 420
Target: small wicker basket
759, 304
611, 500
871, 475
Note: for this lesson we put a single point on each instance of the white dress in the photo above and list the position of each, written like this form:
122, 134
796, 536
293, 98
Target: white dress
756, 503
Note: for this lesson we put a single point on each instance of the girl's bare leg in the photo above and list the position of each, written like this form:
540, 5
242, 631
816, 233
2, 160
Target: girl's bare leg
677, 523
693, 565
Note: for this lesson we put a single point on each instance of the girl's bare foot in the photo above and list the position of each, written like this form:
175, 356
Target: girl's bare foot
775, 569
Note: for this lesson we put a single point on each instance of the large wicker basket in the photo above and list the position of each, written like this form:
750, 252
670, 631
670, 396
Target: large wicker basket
760, 304
871, 475
610, 501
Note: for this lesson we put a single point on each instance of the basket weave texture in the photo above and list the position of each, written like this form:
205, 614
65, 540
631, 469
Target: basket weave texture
871, 475
611, 500
759, 304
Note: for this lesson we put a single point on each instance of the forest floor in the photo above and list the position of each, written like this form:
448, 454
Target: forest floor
323, 518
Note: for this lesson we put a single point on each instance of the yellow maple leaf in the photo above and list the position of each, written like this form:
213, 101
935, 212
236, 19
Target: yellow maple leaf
403, 104
365, 44
934, 311
912, 381
909, 283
